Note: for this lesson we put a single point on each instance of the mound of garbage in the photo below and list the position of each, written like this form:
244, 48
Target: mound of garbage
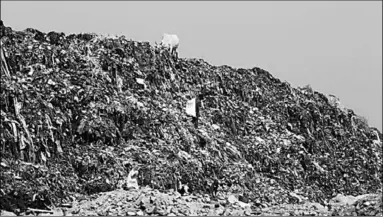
79, 112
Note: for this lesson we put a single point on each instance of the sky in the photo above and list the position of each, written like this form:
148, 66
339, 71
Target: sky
335, 46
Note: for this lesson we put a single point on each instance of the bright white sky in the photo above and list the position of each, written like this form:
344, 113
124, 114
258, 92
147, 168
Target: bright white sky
336, 47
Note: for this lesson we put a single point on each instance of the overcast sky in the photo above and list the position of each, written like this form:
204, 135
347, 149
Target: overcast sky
336, 47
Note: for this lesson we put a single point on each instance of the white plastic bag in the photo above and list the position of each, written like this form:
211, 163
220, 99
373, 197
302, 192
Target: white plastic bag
190, 107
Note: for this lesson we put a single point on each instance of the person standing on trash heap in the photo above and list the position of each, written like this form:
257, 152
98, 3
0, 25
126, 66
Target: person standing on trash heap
171, 42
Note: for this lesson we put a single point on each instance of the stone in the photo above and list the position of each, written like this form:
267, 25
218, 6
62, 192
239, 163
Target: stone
242, 204
174, 210
212, 212
256, 212
6, 213
177, 195
222, 202
264, 205
247, 212
161, 212
226, 212
150, 209
344, 200
207, 206
232, 199
188, 199
220, 211
169, 209
131, 213
318, 206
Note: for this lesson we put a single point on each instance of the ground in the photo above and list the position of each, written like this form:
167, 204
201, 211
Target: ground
147, 201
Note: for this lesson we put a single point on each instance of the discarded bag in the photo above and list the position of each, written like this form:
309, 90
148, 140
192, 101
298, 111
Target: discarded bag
191, 107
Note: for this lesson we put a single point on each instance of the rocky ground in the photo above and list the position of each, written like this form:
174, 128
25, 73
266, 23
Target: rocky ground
146, 201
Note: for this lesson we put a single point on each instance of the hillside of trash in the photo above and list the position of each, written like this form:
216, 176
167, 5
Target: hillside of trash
79, 112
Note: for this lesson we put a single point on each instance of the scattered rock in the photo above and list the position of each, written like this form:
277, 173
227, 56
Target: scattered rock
6, 213
345, 200
150, 209
189, 199
162, 212
243, 205
247, 212
318, 206
174, 210
219, 211
131, 213
232, 199
207, 206
227, 212
256, 212
212, 212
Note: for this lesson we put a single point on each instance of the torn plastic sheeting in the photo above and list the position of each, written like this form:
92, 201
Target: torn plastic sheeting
184, 155
233, 149
191, 107
259, 139
140, 81
215, 127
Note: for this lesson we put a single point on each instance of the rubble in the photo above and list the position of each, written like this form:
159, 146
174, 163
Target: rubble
78, 112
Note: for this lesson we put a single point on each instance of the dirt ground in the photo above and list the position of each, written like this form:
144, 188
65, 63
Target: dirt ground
146, 201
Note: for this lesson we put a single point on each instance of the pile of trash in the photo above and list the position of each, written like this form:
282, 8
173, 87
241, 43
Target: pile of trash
79, 112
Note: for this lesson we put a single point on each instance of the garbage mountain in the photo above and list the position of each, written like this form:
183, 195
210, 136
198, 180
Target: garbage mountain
80, 111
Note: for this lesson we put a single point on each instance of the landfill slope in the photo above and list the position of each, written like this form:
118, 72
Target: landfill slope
76, 118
